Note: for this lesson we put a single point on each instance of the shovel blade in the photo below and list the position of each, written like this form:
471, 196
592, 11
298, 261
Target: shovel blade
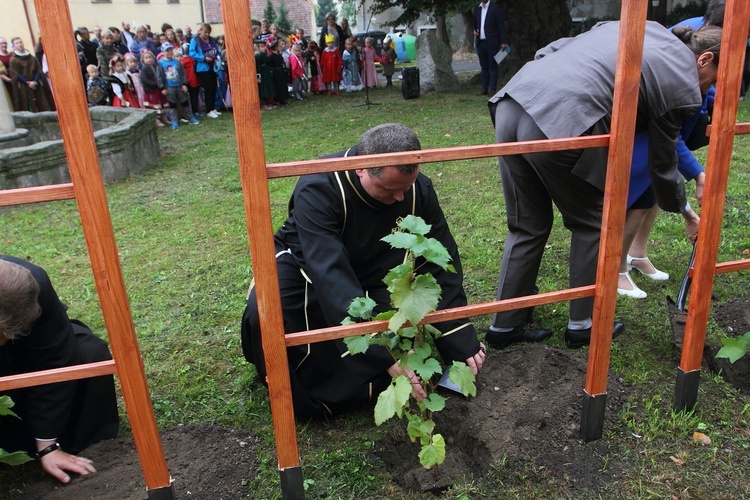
678, 319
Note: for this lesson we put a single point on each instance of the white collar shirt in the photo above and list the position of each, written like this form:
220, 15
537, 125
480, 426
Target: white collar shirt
485, 6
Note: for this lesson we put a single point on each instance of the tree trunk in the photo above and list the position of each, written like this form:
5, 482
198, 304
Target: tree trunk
468, 44
531, 25
442, 30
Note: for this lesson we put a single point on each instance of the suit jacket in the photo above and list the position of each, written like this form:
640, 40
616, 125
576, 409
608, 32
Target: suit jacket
568, 91
494, 25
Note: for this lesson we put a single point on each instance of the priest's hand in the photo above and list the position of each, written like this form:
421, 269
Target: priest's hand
417, 391
476, 361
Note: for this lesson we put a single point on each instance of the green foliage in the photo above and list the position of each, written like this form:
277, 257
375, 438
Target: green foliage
282, 21
734, 348
324, 7
269, 12
5, 406
16, 457
349, 12
413, 296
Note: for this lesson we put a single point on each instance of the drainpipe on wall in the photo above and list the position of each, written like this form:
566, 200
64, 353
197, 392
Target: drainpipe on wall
28, 23
203, 12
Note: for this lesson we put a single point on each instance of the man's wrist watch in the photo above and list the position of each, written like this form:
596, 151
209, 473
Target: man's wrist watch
49, 449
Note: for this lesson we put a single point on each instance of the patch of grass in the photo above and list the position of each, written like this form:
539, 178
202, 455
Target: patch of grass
182, 240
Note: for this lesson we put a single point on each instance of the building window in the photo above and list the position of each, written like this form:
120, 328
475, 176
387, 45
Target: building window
173, 1
141, 1
101, 1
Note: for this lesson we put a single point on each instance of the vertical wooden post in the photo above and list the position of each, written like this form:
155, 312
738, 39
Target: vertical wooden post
83, 162
737, 16
627, 82
236, 14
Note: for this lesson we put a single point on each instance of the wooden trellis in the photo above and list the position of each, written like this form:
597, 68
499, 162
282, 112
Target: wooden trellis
255, 175
88, 190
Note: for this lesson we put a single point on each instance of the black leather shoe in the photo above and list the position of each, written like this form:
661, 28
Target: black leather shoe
500, 340
575, 339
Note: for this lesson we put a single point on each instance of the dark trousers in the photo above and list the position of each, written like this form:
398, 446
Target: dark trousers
486, 54
209, 85
194, 93
531, 183
323, 381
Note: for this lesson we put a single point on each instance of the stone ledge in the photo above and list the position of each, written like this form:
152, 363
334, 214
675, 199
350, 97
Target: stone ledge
126, 142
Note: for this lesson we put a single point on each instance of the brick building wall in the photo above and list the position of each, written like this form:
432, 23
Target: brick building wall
300, 12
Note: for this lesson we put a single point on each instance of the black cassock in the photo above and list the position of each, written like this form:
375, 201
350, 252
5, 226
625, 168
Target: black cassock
77, 413
328, 253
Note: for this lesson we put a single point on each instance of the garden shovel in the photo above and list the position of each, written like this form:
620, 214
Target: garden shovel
677, 311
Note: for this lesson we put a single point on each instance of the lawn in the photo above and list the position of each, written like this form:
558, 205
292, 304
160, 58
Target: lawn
182, 240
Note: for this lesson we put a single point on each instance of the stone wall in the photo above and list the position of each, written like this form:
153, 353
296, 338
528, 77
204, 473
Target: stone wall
126, 141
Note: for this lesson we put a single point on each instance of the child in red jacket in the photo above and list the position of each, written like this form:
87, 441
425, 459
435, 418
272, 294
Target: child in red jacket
194, 83
297, 70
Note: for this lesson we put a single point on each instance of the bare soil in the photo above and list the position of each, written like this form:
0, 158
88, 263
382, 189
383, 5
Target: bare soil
524, 424
734, 317
525, 417
205, 461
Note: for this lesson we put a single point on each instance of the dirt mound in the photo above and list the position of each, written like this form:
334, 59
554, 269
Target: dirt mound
734, 317
205, 461
526, 415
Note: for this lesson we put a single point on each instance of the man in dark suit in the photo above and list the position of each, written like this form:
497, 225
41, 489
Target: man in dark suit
567, 92
489, 30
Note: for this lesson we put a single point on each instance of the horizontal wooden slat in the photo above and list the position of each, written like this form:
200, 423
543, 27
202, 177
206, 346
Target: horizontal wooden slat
290, 169
22, 196
340, 332
57, 375
731, 266
739, 129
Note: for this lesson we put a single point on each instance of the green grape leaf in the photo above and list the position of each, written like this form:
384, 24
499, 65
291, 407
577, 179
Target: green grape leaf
15, 458
392, 400
400, 239
422, 351
461, 375
425, 369
400, 272
434, 402
397, 321
385, 315
417, 299
432, 330
409, 332
5, 406
358, 344
434, 453
734, 348
348, 321
436, 253
420, 429
361, 307
415, 225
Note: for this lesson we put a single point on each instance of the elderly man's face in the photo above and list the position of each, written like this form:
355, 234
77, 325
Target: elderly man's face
97, 31
390, 187
126, 26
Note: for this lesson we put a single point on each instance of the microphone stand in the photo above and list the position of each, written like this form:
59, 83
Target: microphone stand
367, 103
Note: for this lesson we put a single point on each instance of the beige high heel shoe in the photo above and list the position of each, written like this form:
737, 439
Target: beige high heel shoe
635, 292
656, 275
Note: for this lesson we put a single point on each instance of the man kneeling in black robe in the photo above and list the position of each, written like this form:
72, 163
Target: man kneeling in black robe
329, 252
37, 334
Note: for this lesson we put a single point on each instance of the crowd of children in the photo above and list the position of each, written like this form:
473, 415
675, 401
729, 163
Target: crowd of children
168, 85
308, 68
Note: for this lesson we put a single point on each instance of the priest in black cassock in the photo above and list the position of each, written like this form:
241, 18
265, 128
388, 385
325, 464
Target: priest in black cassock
60, 419
329, 252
